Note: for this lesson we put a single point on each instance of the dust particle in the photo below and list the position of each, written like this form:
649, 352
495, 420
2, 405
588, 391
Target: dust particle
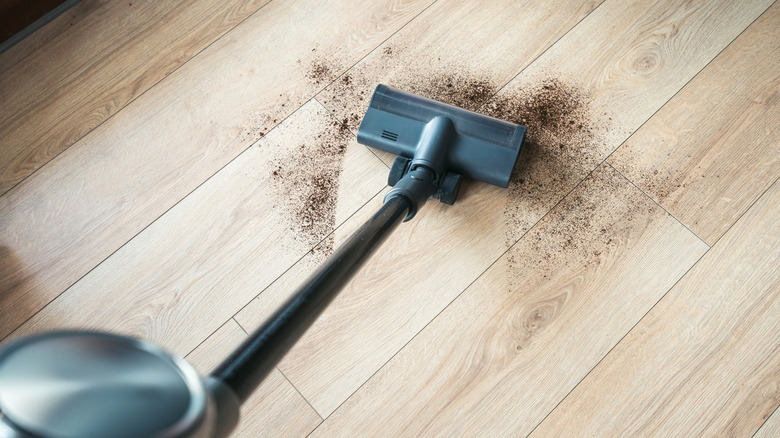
463, 90
343, 126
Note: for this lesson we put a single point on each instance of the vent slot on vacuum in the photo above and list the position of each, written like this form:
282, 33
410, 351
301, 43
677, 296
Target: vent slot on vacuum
392, 136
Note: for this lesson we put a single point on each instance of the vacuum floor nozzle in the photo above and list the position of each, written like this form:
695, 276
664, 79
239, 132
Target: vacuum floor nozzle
482, 148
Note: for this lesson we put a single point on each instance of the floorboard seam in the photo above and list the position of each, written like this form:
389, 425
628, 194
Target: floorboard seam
774, 412
206, 338
318, 92
205, 180
545, 51
667, 102
510, 247
747, 209
659, 205
239, 325
619, 341
158, 218
466, 288
643, 317
299, 393
372, 50
354, 134
218, 170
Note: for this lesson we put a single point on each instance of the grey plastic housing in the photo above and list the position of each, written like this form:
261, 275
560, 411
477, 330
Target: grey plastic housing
484, 148
91, 384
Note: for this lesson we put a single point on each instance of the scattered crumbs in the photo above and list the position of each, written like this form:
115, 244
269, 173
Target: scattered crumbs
307, 180
461, 89
560, 147
345, 123
662, 184
565, 141
583, 229
255, 128
349, 96
319, 72
324, 249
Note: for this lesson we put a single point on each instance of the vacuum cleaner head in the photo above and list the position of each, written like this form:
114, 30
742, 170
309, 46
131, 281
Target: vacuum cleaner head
481, 147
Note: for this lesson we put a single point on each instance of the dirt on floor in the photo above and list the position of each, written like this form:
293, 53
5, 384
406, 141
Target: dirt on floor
561, 146
308, 182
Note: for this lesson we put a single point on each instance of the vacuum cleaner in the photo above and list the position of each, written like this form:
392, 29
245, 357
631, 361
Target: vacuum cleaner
90, 384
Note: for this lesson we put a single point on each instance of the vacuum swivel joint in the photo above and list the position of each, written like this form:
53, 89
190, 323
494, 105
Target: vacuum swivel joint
424, 175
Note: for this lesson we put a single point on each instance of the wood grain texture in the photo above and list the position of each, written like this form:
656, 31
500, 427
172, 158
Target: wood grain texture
275, 409
491, 43
706, 360
478, 233
110, 185
711, 152
73, 84
655, 48
620, 65
53, 29
503, 354
771, 428
195, 267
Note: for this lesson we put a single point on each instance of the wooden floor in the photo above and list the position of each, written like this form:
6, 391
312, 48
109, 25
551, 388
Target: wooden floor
172, 170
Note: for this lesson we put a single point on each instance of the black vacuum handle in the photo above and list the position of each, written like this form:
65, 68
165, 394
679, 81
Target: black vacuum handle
250, 363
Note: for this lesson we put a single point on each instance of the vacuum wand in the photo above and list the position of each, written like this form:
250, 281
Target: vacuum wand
250, 363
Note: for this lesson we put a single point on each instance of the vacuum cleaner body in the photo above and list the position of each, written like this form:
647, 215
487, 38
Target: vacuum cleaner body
87, 384
91, 384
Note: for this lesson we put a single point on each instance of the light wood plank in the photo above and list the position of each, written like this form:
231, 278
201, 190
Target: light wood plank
77, 81
458, 52
771, 428
711, 152
515, 342
362, 329
200, 263
114, 182
53, 29
275, 409
706, 360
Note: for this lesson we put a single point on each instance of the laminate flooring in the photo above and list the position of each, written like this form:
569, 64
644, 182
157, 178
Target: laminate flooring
173, 170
